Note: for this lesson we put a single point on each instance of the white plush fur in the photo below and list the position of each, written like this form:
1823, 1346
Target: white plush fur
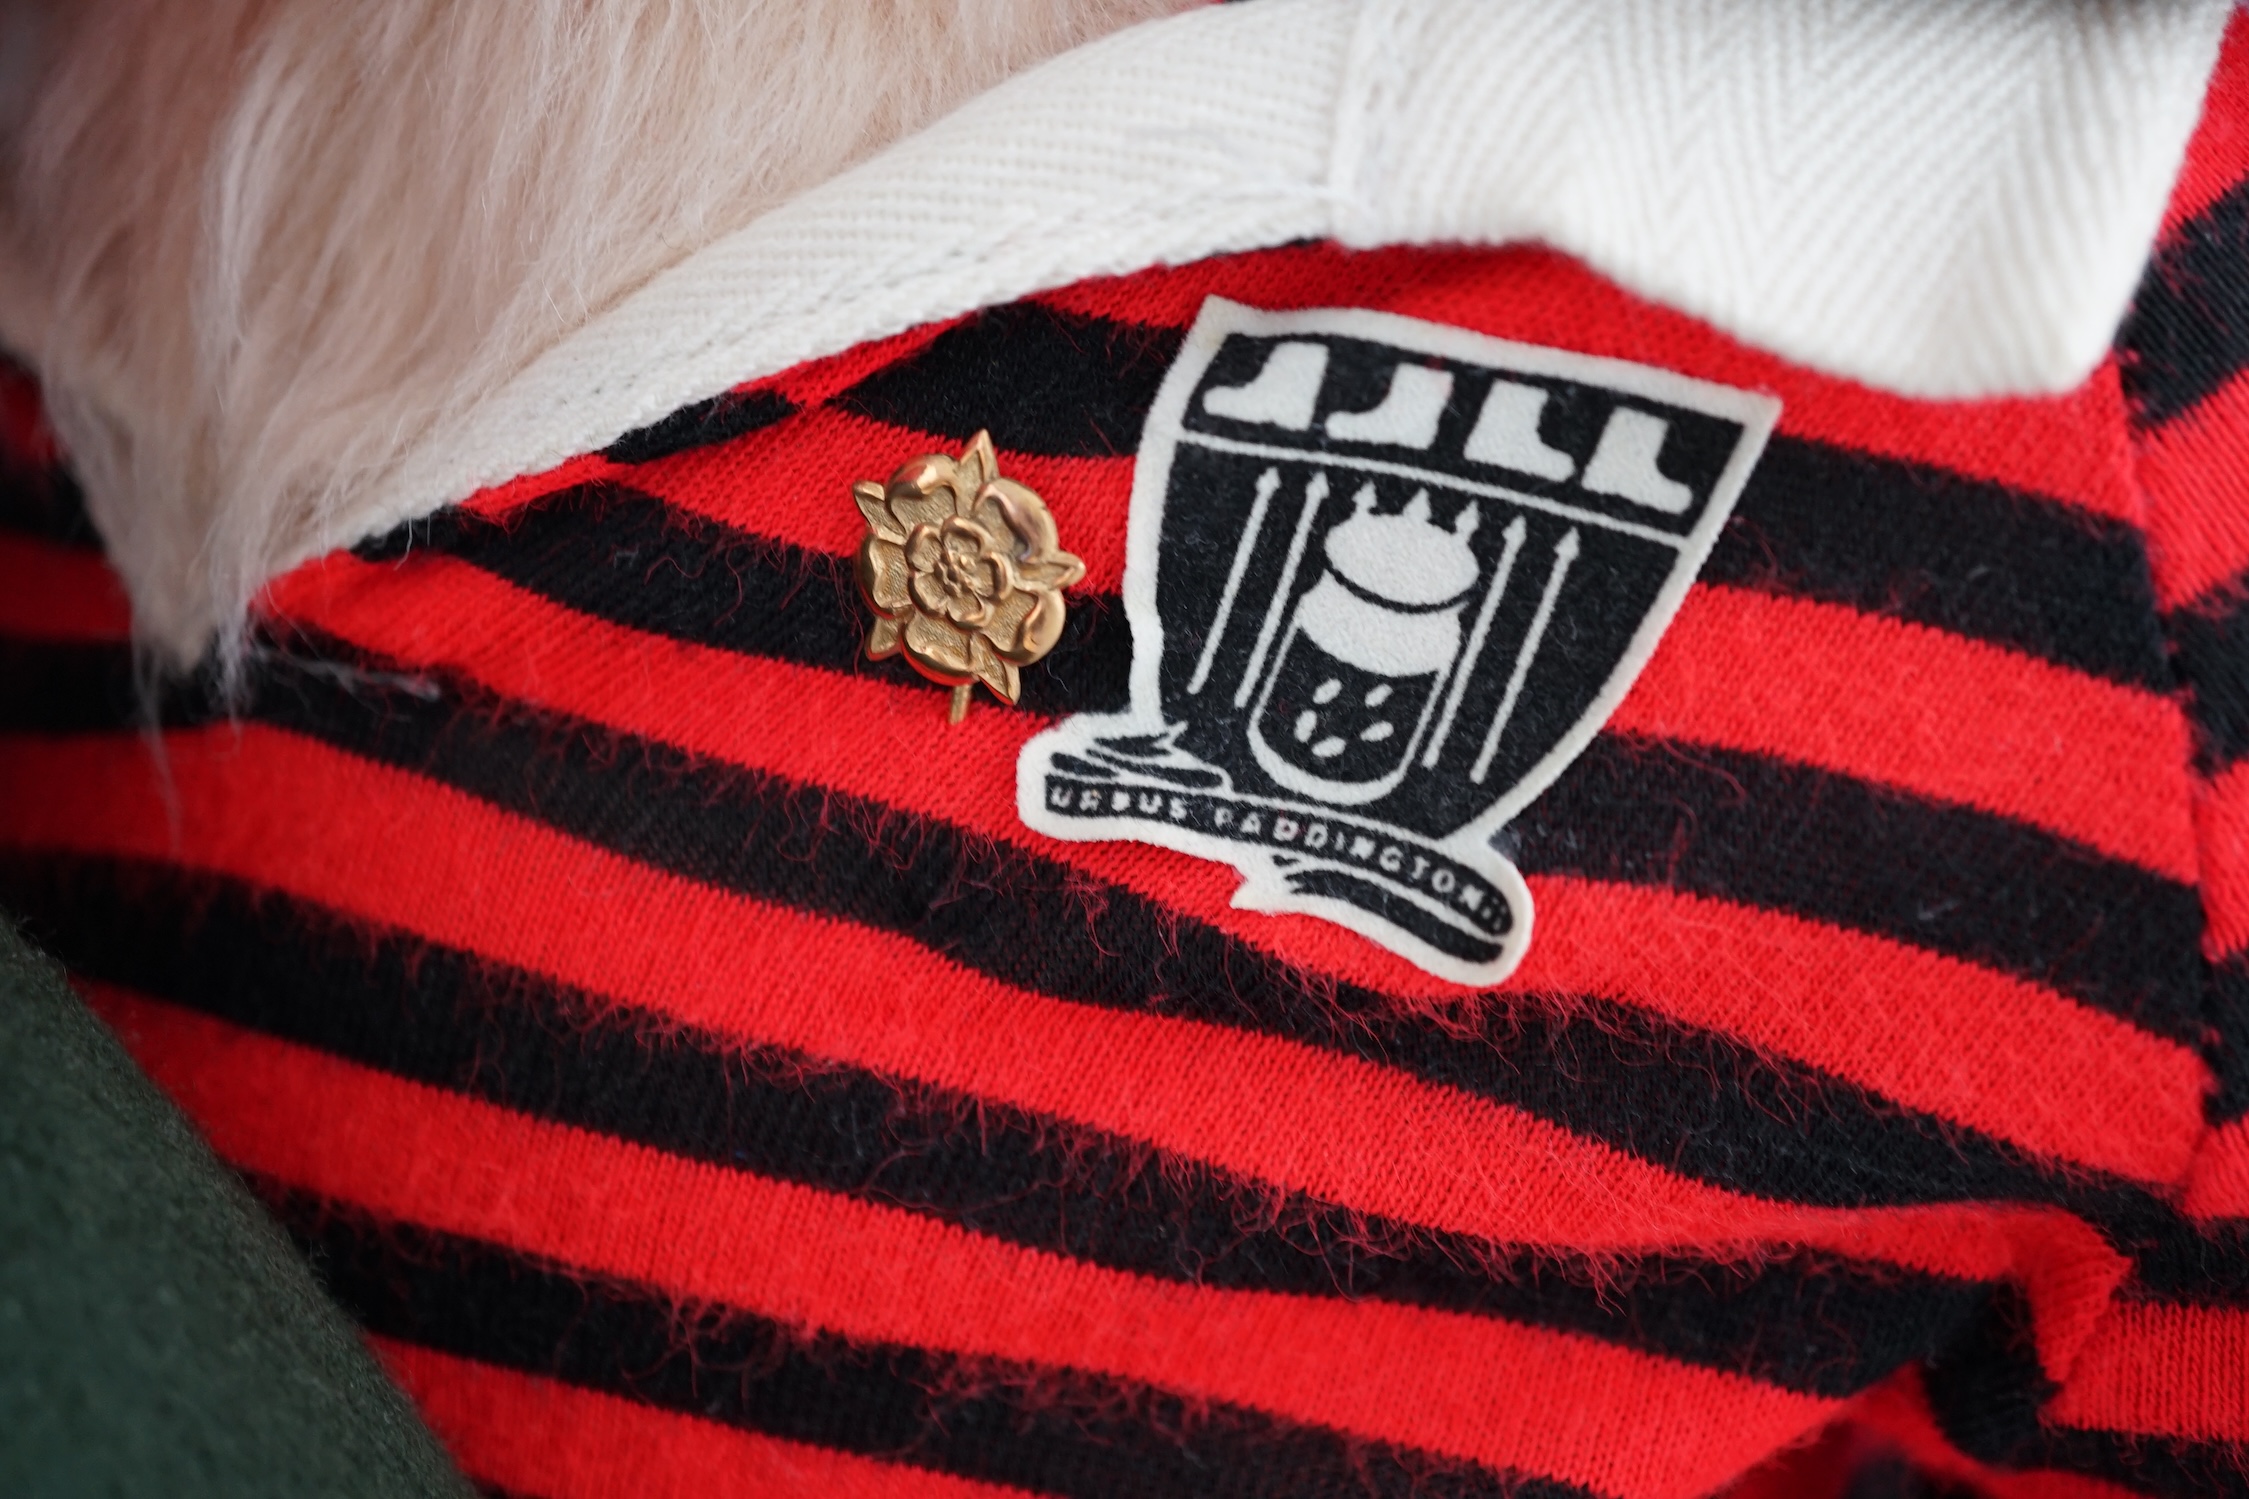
253, 246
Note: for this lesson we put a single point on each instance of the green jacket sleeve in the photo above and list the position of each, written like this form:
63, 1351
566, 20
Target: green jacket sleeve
158, 1333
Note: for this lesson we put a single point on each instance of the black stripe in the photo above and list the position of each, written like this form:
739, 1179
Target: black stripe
1040, 1427
2188, 331
44, 500
1949, 879
1812, 1322
67, 687
2210, 652
1976, 559
1986, 1393
2229, 1046
1889, 537
1740, 827
2178, 1259
703, 424
1038, 379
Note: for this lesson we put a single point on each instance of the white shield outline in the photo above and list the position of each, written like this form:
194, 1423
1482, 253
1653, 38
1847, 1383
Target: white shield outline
1265, 886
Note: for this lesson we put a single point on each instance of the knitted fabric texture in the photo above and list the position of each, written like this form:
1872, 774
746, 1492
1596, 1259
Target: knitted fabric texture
678, 1055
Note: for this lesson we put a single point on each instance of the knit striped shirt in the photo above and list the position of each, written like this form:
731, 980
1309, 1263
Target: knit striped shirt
667, 1040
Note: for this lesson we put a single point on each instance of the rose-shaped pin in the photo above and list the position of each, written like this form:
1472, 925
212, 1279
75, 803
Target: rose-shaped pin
964, 571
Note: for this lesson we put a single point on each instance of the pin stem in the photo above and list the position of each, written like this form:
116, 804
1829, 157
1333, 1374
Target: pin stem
960, 702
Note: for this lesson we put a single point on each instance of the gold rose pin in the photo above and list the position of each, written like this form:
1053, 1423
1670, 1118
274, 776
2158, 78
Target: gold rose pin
964, 572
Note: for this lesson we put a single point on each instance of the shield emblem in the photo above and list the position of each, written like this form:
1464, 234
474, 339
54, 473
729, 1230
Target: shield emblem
1386, 579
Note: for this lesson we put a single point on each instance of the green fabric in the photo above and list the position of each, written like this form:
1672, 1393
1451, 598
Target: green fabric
158, 1333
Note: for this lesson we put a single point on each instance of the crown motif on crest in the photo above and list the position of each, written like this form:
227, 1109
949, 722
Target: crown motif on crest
1404, 559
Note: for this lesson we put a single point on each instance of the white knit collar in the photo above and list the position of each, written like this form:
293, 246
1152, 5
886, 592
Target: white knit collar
1942, 199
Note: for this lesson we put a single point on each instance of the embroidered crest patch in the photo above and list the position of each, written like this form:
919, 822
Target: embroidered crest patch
1386, 579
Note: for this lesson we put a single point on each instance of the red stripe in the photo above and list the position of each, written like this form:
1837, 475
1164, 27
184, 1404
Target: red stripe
1611, 1419
2112, 1097
2221, 815
2071, 447
396, 850
2157, 1370
50, 592
2218, 155
2218, 1186
1928, 712
530, 1435
2196, 473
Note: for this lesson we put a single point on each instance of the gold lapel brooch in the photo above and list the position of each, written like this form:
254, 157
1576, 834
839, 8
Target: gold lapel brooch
964, 571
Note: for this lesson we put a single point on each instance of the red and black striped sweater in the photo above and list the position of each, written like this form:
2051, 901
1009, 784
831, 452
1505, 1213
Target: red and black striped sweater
672, 1045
